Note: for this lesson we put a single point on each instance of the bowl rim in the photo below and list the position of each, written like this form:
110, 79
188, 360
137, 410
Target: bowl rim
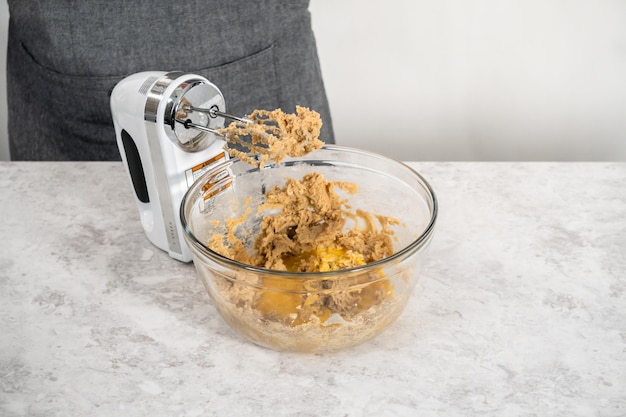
416, 244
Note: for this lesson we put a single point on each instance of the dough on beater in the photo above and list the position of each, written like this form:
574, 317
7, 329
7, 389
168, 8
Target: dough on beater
274, 135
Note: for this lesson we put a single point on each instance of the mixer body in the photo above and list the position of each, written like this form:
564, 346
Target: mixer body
162, 156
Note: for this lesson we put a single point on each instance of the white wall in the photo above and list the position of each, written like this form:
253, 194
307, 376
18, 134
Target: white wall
470, 79
477, 79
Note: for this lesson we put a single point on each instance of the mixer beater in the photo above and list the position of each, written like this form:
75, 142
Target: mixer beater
268, 135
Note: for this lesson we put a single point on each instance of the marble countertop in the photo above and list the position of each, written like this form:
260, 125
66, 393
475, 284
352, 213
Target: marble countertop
520, 310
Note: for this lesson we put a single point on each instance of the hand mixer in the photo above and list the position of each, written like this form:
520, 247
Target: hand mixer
166, 128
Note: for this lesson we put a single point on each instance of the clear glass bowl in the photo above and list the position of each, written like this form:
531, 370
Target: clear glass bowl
272, 308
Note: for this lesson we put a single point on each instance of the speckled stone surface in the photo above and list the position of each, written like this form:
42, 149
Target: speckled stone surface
520, 310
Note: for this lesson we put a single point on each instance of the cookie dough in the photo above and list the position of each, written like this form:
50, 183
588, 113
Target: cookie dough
273, 135
310, 228
306, 232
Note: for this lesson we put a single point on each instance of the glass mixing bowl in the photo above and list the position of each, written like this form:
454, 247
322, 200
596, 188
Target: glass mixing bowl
274, 308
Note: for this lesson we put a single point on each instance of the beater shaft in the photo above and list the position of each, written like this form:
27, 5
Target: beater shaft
189, 124
214, 112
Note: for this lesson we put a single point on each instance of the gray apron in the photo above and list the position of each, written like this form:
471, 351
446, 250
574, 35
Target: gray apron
64, 57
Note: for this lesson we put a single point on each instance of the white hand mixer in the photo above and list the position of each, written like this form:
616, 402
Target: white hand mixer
165, 125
